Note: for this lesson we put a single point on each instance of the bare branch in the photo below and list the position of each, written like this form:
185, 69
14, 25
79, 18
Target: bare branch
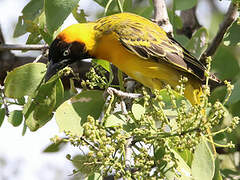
111, 90
190, 22
4, 47
230, 17
161, 16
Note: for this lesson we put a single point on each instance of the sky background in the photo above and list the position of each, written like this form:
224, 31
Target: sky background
21, 157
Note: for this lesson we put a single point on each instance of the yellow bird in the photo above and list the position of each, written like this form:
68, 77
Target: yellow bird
135, 45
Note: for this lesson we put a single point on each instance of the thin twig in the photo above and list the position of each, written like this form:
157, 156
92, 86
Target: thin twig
231, 16
161, 16
90, 144
22, 47
43, 54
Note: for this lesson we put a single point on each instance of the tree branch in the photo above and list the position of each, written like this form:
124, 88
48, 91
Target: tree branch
190, 22
161, 16
5, 47
231, 16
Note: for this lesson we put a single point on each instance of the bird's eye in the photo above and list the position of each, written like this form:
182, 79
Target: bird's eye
66, 52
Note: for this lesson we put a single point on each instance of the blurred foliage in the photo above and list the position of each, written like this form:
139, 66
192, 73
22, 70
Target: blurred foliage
169, 135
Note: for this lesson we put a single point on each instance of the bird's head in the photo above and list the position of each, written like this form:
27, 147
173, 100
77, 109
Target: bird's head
72, 44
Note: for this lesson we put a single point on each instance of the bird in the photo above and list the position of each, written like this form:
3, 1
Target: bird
137, 46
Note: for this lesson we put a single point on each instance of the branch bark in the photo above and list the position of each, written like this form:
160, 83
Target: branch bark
160, 16
190, 22
5, 47
231, 16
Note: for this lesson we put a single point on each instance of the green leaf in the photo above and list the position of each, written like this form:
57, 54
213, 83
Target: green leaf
127, 5
25, 22
105, 64
48, 38
233, 38
167, 100
95, 176
15, 118
138, 110
182, 167
184, 4
198, 43
203, 164
21, 27
30, 121
24, 80
79, 16
175, 20
217, 175
230, 173
159, 153
225, 63
33, 9
146, 12
102, 3
71, 115
57, 11
181, 39
2, 115
45, 101
24, 130
34, 38
21, 101
235, 94
187, 156
81, 163
218, 94
39, 108
114, 121
55, 147
28, 107
235, 111
59, 93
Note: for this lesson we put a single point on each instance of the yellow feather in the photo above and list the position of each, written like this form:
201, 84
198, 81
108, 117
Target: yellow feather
140, 49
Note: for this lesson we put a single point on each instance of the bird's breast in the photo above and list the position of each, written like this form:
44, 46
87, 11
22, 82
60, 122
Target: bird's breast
150, 73
146, 71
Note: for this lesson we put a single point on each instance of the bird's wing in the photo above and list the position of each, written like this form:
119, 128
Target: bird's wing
147, 40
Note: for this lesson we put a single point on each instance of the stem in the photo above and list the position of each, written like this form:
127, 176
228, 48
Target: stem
88, 143
120, 6
166, 135
107, 113
107, 6
218, 145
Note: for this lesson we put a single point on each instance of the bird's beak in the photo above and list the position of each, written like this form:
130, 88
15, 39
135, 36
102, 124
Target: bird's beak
53, 68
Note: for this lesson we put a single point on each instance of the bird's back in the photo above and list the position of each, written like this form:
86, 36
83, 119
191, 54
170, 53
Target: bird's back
149, 41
